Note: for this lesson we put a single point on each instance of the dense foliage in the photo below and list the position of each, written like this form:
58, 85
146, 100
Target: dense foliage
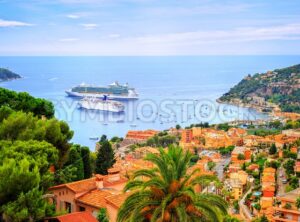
162, 139
31, 142
22, 101
25, 126
25, 167
166, 192
105, 158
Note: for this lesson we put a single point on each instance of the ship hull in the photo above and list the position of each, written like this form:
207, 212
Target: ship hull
100, 96
100, 106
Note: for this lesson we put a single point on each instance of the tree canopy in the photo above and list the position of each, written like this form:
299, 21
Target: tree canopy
166, 192
105, 158
22, 101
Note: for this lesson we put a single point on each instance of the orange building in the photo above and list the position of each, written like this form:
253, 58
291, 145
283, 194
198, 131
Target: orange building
297, 167
140, 135
268, 183
87, 195
113, 204
210, 138
269, 191
240, 150
287, 210
187, 136
294, 150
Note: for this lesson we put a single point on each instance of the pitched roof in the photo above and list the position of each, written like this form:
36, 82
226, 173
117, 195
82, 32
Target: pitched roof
253, 166
268, 178
77, 217
95, 198
118, 200
78, 186
269, 170
107, 182
269, 188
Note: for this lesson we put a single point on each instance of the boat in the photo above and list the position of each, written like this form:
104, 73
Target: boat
133, 125
94, 138
101, 104
114, 91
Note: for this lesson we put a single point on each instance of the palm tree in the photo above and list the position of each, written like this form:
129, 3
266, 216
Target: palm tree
166, 192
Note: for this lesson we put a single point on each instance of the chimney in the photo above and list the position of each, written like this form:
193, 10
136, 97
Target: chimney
99, 181
114, 174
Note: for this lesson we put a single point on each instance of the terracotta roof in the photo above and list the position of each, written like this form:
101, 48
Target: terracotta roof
113, 170
269, 188
107, 182
269, 170
77, 217
253, 166
117, 200
268, 178
94, 198
78, 186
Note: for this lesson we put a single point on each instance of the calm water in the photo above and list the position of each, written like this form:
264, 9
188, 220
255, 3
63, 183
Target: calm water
173, 90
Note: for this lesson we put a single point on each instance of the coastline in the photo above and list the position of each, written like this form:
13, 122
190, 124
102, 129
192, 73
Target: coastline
10, 79
251, 106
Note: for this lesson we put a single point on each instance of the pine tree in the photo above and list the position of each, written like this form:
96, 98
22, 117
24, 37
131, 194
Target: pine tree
273, 149
103, 139
105, 158
85, 155
75, 160
284, 147
264, 219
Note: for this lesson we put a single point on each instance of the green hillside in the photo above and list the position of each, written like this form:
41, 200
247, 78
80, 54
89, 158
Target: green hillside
6, 75
281, 87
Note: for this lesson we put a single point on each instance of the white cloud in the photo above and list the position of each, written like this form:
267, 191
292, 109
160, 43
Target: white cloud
284, 32
89, 26
73, 16
8, 23
69, 40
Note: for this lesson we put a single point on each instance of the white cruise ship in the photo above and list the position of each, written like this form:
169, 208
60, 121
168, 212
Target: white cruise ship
114, 91
101, 104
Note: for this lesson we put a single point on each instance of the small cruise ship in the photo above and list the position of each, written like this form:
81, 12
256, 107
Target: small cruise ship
101, 104
114, 91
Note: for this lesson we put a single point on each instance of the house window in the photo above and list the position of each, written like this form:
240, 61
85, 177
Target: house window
81, 208
68, 207
59, 193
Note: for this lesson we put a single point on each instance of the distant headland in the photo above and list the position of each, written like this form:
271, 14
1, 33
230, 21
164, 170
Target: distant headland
273, 90
7, 75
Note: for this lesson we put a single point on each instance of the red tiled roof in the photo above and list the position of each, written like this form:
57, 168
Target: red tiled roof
78, 186
108, 183
268, 178
94, 198
269, 170
253, 167
77, 217
269, 188
88, 184
117, 200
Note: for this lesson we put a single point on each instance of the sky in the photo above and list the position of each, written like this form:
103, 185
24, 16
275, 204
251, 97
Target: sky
149, 27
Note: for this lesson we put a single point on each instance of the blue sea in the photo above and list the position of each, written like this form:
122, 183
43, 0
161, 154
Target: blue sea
172, 90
